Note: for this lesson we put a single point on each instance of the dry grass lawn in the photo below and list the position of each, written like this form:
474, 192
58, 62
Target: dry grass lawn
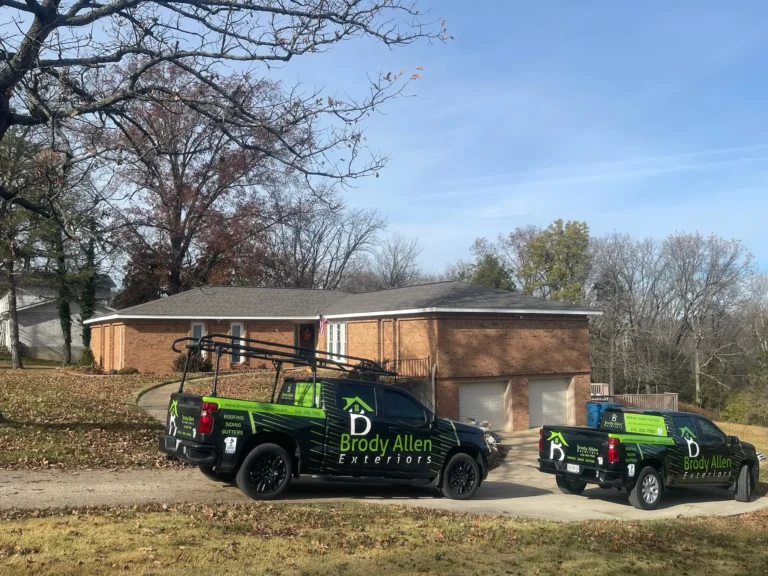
359, 539
56, 418
61, 419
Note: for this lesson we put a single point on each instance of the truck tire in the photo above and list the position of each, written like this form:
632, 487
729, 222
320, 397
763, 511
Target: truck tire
265, 472
461, 477
213, 474
744, 484
647, 491
569, 485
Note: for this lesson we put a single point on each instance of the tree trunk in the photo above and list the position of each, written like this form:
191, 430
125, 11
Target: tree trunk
88, 297
13, 323
62, 300
611, 362
697, 373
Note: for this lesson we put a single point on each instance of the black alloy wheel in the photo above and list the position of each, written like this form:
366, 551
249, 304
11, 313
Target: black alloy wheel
265, 472
461, 477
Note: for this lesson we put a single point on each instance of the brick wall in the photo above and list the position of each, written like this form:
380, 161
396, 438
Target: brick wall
97, 344
498, 346
417, 338
516, 400
387, 339
448, 399
109, 351
580, 385
148, 345
277, 332
363, 339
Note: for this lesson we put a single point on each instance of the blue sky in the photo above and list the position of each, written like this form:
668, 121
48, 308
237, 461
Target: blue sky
646, 118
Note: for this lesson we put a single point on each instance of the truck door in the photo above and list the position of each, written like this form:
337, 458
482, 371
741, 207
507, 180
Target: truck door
716, 452
409, 452
356, 431
685, 460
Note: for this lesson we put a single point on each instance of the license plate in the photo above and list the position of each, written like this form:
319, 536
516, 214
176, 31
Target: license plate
171, 443
575, 468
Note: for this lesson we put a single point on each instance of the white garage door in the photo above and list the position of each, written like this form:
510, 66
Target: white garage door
547, 401
483, 401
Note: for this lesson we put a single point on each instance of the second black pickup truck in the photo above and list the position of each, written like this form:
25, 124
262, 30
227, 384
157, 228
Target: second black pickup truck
646, 451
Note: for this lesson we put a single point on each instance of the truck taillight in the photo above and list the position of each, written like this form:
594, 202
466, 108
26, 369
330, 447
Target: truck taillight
614, 451
205, 424
541, 439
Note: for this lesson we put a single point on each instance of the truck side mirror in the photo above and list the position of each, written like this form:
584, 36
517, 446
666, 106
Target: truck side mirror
430, 418
733, 440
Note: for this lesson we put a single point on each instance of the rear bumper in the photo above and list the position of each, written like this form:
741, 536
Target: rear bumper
588, 474
190, 452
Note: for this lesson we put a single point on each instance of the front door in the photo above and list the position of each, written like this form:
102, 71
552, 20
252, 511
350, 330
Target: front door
305, 339
410, 435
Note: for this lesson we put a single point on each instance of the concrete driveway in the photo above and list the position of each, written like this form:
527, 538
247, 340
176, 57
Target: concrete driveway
516, 488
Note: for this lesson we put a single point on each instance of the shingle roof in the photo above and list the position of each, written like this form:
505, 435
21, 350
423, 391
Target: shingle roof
233, 302
453, 295
240, 301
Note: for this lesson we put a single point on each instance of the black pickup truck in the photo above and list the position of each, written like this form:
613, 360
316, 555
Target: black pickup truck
334, 427
646, 451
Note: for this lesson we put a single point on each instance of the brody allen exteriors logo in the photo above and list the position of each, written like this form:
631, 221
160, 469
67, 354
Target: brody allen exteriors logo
556, 442
357, 448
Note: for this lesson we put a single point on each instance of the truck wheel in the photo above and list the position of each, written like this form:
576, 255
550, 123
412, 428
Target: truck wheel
744, 484
461, 477
213, 474
646, 493
570, 485
265, 472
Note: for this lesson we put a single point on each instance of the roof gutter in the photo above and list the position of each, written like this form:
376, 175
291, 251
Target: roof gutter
352, 315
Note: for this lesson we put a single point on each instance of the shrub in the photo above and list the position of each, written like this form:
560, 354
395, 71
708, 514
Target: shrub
127, 370
87, 359
196, 363
747, 407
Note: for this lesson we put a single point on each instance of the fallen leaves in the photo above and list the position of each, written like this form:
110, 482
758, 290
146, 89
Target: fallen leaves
58, 419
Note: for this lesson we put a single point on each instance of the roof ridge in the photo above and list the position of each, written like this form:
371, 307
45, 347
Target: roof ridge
389, 289
265, 288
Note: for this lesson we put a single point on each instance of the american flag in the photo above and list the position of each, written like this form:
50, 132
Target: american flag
323, 322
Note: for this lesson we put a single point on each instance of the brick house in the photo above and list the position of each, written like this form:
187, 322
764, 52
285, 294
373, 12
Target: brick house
517, 361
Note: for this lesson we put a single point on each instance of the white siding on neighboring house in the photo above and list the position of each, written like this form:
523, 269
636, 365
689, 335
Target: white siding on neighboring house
26, 298
40, 331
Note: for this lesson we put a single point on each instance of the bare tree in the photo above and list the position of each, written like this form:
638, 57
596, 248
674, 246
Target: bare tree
319, 246
396, 261
709, 276
79, 62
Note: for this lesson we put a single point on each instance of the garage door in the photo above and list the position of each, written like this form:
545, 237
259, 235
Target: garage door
547, 401
483, 401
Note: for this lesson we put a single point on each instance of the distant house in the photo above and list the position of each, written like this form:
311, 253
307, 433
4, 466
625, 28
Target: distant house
39, 326
516, 361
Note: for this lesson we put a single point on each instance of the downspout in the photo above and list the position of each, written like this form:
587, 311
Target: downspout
434, 387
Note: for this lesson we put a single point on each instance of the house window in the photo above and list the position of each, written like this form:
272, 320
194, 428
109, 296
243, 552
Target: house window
336, 340
197, 330
236, 330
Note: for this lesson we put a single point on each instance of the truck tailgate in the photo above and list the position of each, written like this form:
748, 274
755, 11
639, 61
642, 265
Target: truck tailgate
183, 414
573, 444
